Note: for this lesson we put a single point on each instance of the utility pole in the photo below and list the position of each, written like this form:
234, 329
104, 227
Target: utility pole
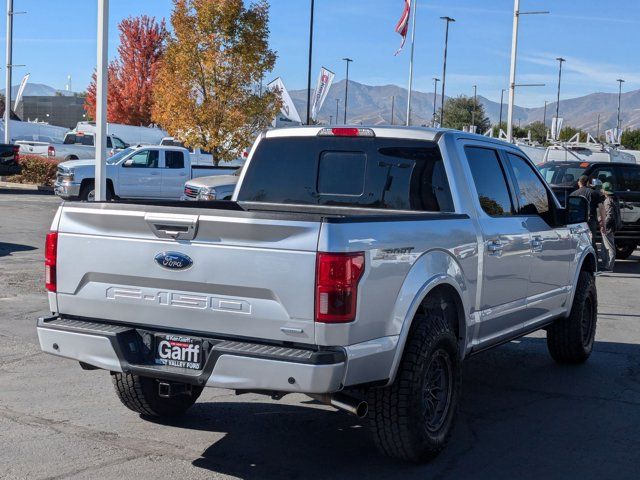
7, 96
310, 60
393, 104
346, 89
414, 7
448, 20
618, 125
561, 61
501, 105
514, 57
475, 102
101, 101
337, 110
330, 119
598, 129
544, 115
435, 95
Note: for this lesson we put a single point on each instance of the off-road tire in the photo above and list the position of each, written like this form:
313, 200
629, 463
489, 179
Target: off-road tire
570, 340
397, 414
140, 394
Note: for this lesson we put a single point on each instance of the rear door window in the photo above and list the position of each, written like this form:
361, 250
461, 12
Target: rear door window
173, 159
490, 181
351, 172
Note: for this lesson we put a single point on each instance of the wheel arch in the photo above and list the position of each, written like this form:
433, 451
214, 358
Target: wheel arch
450, 286
588, 263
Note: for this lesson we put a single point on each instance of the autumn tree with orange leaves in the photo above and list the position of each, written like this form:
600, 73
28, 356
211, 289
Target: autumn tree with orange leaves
132, 75
205, 89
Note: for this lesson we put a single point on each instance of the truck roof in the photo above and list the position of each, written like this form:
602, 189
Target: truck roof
413, 133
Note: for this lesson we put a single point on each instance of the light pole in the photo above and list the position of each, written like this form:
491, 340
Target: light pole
435, 95
101, 101
561, 61
501, 105
620, 82
512, 73
346, 89
544, 115
337, 110
473, 111
393, 105
448, 20
310, 59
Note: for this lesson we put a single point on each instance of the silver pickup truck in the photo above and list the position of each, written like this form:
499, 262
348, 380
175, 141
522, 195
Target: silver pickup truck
359, 266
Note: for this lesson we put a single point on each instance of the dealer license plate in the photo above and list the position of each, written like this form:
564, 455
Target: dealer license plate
179, 351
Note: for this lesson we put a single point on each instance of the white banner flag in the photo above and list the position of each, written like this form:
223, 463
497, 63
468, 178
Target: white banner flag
322, 90
556, 127
23, 85
288, 110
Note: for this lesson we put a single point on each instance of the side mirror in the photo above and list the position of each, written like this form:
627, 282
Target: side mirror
577, 210
128, 163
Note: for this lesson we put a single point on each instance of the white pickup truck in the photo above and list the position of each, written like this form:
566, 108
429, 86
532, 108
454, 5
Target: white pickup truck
151, 172
75, 146
360, 266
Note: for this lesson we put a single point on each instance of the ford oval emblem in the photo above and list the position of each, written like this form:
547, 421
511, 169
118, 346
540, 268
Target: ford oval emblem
173, 260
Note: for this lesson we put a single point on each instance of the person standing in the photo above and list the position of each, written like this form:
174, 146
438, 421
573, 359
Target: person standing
595, 200
610, 224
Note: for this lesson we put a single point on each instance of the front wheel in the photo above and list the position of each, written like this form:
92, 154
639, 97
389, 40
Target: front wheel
88, 193
141, 394
413, 418
570, 340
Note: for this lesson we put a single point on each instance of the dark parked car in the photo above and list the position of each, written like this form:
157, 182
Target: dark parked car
625, 179
9, 159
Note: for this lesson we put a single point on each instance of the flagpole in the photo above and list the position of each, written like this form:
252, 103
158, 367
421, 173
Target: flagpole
413, 38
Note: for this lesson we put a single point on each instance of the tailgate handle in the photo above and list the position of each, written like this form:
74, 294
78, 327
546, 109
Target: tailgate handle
176, 227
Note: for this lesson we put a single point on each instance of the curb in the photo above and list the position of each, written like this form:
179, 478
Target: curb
26, 187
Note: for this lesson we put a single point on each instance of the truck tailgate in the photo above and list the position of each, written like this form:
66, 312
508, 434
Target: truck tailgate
249, 275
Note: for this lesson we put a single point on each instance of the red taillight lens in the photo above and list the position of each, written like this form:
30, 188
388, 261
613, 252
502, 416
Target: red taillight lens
50, 260
51, 151
337, 277
16, 153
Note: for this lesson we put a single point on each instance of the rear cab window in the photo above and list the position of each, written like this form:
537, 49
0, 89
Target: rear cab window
380, 173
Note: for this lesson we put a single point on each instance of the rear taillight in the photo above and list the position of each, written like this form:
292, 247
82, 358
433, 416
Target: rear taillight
16, 153
50, 260
337, 277
51, 151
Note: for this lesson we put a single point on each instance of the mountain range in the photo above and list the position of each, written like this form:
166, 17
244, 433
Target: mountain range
372, 105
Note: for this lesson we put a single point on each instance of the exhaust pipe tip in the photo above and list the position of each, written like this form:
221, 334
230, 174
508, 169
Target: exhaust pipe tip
346, 403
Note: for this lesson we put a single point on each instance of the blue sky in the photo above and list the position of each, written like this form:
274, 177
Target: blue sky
600, 40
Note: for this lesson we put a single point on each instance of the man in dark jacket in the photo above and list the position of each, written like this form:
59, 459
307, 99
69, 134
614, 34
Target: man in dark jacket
610, 222
595, 200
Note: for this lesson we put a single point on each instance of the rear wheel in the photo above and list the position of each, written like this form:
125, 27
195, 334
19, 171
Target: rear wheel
570, 340
413, 418
141, 394
625, 249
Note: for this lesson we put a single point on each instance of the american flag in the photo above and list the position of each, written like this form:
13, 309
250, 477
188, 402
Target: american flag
403, 24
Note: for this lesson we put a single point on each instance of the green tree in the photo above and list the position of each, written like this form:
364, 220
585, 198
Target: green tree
568, 132
204, 93
631, 139
538, 131
517, 131
459, 111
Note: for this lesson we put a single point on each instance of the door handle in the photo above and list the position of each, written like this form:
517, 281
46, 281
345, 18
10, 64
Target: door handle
536, 243
154, 173
495, 248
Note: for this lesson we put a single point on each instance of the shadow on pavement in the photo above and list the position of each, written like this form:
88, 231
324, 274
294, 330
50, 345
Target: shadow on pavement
9, 248
25, 191
522, 416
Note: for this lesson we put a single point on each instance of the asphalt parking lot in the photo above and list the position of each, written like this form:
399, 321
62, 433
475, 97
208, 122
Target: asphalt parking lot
522, 416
